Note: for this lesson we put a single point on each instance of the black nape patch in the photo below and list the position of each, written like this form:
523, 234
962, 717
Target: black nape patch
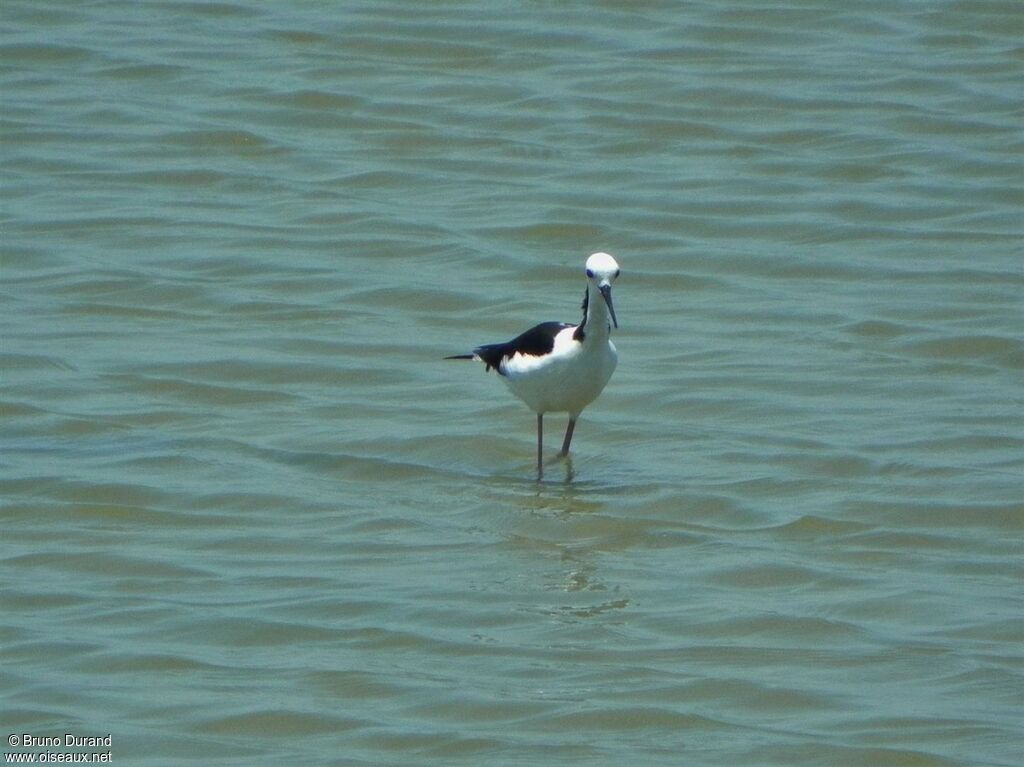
579, 335
537, 341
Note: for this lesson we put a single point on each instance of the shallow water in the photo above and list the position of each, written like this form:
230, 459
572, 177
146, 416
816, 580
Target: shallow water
251, 515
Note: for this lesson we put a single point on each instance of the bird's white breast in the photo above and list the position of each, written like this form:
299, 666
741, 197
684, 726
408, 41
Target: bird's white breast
565, 380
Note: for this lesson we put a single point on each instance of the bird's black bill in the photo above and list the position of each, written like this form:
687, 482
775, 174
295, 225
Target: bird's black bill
606, 293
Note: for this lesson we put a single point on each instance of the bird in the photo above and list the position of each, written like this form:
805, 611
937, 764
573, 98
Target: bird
558, 367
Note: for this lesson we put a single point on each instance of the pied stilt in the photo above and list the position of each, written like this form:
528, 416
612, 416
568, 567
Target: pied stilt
558, 367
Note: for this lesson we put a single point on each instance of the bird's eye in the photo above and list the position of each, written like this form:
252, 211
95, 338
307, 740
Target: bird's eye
590, 272
617, 273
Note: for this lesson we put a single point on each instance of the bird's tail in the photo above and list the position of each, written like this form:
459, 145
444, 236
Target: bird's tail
461, 357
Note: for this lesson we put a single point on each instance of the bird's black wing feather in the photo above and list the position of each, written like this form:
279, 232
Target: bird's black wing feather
537, 341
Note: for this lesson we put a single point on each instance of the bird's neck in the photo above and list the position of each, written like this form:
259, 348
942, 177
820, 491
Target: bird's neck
597, 323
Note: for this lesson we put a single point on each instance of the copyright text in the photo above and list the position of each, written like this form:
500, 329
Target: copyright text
54, 749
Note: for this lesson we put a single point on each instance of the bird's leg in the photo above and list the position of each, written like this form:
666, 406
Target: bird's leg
540, 445
568, 436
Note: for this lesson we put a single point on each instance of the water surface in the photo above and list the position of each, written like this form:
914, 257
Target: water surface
250, 515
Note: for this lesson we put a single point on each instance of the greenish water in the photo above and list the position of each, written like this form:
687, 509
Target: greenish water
249, 514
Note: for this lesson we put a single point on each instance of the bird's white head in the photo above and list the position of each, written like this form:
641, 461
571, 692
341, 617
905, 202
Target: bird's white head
602, 270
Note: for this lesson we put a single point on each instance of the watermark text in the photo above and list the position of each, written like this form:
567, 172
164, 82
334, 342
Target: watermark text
67, 748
